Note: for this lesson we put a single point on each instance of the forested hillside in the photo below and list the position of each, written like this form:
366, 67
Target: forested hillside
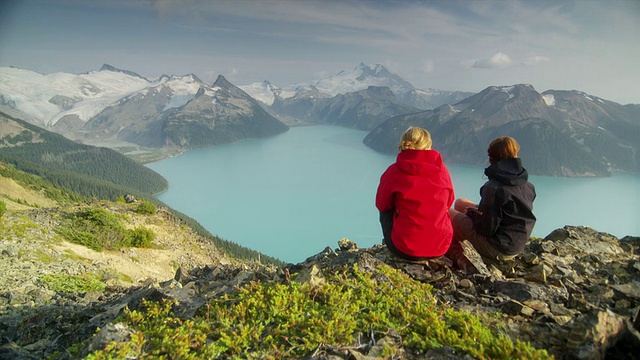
87, 170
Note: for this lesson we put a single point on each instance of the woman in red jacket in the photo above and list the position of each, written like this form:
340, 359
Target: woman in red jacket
414, 196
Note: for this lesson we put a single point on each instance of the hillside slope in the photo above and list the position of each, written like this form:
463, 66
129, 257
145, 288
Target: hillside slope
88, 170
32, 215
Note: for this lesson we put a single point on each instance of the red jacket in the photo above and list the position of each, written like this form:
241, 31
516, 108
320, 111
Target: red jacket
419, 188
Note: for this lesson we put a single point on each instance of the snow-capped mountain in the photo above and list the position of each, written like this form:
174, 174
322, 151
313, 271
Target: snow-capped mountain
133, 117
113, 105
267, 92
362, 98
360, 78
53, 96
363, 109
183, 112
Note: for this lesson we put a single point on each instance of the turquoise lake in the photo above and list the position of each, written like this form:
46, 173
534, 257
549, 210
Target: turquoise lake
291, 195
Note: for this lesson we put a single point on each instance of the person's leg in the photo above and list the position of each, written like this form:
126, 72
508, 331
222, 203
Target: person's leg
462, 204
386, 222
463, 230
462, 225
484, 248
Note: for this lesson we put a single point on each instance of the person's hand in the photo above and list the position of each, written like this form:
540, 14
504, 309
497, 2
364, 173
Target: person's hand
472, 211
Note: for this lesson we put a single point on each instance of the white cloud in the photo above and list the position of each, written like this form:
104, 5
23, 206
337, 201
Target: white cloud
534, 60
497, 61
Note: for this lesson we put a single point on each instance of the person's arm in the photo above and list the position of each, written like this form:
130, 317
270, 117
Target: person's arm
487, 218
384, 194
385, 204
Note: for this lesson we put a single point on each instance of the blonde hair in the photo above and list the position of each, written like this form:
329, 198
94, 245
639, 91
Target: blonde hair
504, 147
415, 138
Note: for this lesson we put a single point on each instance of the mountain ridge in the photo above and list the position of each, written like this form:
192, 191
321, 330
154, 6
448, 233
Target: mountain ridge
573, 146
169, 115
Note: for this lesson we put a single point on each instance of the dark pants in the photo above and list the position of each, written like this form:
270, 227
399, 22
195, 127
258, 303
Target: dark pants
386, 221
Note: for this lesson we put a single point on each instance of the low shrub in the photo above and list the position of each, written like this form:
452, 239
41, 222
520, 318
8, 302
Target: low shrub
273, 320
146, 207
141, 237
99, 229
3, 208
81, 238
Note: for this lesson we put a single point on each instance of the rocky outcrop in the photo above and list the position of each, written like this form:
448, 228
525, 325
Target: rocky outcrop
575, 293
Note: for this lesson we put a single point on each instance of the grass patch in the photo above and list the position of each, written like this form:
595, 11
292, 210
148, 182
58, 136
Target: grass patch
124, 277
72, 283
18, 228
44, 257
69, 254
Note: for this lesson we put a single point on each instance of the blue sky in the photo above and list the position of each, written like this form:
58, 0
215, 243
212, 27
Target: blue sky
587, 45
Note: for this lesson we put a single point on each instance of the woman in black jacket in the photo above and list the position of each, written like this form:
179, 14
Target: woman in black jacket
500, 225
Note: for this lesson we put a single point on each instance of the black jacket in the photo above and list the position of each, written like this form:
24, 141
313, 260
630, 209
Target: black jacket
505, 213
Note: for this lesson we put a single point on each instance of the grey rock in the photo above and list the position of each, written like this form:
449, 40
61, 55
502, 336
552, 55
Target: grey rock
118, 332
593, 333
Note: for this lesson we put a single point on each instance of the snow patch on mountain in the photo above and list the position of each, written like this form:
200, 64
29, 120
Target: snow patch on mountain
508, 90
90, 93
549, 99
267, 92
183, 90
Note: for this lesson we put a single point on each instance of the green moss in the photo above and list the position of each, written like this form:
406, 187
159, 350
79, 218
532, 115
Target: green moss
272, 320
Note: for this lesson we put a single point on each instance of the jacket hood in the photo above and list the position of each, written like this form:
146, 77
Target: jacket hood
508, 171
419, 162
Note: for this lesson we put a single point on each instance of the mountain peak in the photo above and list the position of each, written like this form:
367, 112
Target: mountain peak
221, 81
360, 78
376, 70
510, 93
511, 89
